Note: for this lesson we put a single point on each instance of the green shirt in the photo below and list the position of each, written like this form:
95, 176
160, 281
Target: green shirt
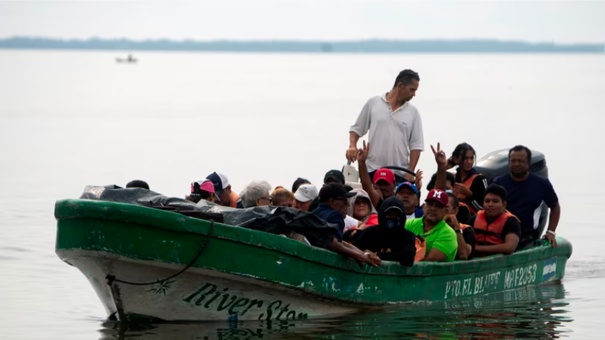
441, 237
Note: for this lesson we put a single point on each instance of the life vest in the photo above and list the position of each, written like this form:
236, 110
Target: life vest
489, 234
420, 249
467, 183
469, 180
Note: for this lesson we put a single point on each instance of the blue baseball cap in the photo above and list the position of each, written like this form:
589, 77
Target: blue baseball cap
409, 185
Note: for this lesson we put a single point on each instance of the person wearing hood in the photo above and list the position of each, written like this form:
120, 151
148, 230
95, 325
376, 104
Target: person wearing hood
360, 208
389, 240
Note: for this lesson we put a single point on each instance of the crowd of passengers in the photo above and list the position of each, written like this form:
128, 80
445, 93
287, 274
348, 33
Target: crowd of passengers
462, 216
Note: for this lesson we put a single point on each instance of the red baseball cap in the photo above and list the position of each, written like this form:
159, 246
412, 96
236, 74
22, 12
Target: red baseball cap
384, 174
438, 196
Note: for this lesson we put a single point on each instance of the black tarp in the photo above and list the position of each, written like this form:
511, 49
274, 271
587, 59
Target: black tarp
276, 220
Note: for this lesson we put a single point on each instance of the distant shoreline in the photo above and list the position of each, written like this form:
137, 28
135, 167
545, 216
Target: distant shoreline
285, 46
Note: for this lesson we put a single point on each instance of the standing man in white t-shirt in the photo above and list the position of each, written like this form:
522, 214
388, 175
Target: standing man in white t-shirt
394, 125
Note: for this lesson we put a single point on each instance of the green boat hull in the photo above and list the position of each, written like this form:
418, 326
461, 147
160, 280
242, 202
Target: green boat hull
163, 265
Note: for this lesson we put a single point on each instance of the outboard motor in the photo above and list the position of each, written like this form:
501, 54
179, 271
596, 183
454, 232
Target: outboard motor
495, 164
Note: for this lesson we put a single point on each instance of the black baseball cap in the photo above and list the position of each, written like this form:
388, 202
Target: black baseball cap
334, 176
335, 191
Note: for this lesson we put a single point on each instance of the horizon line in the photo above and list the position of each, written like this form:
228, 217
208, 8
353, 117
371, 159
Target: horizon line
295, 40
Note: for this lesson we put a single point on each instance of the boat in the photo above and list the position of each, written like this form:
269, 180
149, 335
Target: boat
129, 59
147, 263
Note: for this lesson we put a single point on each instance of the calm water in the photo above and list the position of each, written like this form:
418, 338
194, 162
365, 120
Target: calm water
69, 119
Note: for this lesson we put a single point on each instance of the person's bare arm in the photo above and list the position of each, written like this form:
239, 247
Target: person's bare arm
352, 151
364, 175
355, 253
508, 247
435, 255
414, 157
553, 222
464, 249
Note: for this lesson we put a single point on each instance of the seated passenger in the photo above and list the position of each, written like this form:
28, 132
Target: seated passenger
332, 208
201, 190
409, 194
282, 197
389, 240
497, 231
257, 193
334, 176
464, 213
222, 188
470, 184
361, 209
527, 192
441, 240
298, 182
304, 196
464, 232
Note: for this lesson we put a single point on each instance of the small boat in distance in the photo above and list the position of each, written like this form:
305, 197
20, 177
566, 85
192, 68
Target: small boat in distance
129, 59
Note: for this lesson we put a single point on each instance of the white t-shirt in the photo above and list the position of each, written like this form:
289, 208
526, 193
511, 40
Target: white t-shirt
392, 134
350, 222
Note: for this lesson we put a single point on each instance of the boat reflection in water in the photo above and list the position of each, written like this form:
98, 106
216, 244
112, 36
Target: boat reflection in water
528, 313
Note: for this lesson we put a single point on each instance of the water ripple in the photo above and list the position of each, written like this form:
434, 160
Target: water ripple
528, 313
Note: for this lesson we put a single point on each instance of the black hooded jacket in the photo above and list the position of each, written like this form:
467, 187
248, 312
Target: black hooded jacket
398, 244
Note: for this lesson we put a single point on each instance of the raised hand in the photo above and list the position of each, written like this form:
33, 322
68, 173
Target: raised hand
418, 181
362, 154
440, 157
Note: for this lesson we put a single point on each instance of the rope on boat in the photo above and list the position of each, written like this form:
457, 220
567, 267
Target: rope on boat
111, 278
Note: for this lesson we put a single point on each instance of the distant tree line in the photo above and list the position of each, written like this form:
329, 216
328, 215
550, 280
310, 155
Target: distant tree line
362, 46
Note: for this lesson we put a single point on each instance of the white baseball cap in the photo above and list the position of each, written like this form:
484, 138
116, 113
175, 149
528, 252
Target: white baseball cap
306, 193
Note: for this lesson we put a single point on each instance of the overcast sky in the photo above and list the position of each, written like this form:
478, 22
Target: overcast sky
575, 21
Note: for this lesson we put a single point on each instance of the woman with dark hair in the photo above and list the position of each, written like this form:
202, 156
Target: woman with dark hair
470, 184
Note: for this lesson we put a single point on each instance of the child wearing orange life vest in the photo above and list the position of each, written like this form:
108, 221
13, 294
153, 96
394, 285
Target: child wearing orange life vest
497, 231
